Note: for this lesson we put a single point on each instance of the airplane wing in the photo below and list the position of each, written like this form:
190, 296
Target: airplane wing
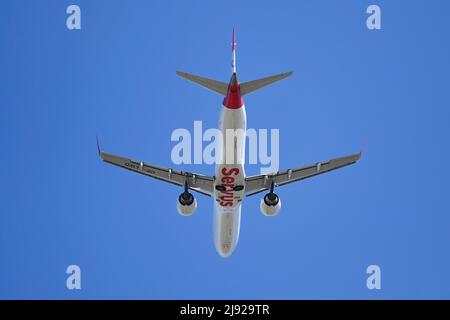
259, 183
196, 182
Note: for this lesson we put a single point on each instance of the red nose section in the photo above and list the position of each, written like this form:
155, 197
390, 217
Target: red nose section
233, 100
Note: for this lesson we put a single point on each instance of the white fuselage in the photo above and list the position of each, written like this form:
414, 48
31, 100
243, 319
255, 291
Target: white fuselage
229, 174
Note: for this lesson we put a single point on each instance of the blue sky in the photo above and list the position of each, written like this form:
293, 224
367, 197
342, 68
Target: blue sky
115, 77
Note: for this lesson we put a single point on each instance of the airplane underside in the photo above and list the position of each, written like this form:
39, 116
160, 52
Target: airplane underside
226, 228
230, 186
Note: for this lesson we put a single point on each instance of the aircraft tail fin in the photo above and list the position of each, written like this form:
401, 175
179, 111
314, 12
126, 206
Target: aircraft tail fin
213, 85
251, 86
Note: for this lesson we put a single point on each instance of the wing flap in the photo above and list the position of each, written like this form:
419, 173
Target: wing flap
196, 182
256, 184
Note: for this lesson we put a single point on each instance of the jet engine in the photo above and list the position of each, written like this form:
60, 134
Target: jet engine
271, 204
186, 203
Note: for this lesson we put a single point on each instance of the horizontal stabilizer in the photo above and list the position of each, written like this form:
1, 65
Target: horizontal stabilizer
249, 87
213, 85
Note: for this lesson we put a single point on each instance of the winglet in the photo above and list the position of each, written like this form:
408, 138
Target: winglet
98, 146
361, 151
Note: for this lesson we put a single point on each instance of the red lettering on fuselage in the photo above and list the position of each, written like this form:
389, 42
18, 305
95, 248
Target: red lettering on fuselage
230, 172
228, 180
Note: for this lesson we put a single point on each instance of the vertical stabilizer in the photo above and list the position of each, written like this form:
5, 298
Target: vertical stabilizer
233, 52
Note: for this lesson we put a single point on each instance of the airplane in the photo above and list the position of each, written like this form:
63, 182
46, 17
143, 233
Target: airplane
230, 185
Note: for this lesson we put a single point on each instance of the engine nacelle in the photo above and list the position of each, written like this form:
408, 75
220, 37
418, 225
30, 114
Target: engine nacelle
186, 204
270, 205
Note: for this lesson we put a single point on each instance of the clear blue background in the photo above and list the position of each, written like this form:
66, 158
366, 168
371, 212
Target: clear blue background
61, 205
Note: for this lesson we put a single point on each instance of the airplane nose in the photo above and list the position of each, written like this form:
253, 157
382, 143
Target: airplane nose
226, 229
225, 250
